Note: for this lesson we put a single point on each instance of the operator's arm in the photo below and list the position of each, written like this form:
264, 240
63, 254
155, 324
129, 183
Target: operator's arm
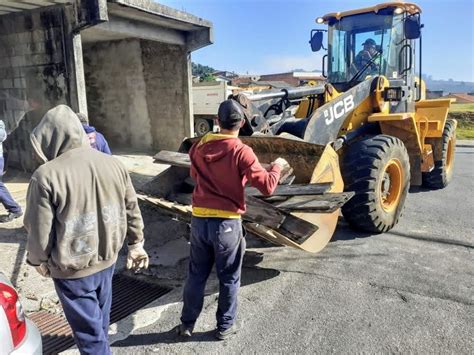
38, 221
134, 216
265, 181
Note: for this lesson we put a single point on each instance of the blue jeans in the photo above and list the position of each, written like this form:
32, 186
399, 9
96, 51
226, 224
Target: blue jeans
220, 241
86, 303
5, 198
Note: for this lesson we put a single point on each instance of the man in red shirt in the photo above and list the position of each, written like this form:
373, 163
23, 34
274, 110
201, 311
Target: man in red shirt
221, 166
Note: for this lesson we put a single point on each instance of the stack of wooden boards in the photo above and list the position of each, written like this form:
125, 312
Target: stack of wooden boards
274, 211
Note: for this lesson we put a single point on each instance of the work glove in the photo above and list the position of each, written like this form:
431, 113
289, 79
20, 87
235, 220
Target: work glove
43, 270
137, 257
286, 169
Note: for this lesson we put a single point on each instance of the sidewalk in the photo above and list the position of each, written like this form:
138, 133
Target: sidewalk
465, 143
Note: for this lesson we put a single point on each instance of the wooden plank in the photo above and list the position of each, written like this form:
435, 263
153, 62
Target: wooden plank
180, 212
293, 190
259, 211
182, 198
182, 160
325, 203
264, 213
173, 158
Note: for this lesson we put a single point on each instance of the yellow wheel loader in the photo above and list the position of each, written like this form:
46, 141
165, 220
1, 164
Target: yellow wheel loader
356, 143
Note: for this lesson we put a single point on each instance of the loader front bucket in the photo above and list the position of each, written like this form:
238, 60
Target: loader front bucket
312, 164
316, 216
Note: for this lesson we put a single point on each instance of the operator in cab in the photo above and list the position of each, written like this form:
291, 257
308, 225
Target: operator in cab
366, 55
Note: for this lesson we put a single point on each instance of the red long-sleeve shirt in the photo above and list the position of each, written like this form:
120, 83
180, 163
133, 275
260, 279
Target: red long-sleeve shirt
221, 166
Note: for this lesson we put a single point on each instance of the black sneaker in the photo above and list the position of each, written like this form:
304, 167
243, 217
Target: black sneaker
10, 217
226, 334
184, 331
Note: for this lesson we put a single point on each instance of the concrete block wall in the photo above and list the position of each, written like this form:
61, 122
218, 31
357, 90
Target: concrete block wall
138, 93
165, 70
32, 69
116, 93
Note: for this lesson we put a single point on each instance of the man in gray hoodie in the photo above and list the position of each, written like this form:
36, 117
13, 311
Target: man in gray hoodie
81, 206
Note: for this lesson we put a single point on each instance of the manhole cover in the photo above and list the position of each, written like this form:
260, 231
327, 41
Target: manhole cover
128, 296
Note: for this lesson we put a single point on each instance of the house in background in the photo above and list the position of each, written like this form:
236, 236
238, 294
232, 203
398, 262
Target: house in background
461, 98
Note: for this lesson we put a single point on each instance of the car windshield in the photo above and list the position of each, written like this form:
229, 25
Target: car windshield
362, 45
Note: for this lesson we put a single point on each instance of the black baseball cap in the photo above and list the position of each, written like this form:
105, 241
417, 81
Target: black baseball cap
369, 42
230, 114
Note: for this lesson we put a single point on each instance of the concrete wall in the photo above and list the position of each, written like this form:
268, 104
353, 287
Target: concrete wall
138, 93
32, 68
168, 83
116, 93
138, 90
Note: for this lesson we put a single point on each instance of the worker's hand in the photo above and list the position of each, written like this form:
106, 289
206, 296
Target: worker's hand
137, 257
43, 270
285, 168
282, 163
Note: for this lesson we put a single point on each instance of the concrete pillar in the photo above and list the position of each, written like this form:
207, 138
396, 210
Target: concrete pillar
189, 120
80, 82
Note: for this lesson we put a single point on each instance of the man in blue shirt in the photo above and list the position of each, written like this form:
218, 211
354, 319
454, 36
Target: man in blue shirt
12, 207
96, 139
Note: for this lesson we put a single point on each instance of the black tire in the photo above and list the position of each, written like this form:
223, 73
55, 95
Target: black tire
366, 169
442, 173
202, 126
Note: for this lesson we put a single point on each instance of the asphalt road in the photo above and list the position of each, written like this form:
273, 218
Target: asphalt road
406, 291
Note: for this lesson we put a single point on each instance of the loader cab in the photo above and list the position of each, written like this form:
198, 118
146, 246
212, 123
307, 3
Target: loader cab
370, 42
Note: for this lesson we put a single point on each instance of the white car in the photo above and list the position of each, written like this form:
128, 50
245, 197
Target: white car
18, 334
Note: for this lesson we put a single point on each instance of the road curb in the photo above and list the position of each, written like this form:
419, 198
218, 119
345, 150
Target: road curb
465, 145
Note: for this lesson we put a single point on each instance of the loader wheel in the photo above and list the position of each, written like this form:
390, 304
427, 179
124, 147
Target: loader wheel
377, 169
442, 173
202, 126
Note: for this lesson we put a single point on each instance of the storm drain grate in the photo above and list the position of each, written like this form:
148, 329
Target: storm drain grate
128, 296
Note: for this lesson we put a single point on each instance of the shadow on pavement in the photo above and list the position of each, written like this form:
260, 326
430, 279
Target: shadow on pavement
10, 236
167, 337
432, 239
419, 189
345, 232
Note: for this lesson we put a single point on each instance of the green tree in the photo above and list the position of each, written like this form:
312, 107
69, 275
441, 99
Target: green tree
203, 71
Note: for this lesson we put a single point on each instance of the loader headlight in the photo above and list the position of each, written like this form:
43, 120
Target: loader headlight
393, 94
320, 20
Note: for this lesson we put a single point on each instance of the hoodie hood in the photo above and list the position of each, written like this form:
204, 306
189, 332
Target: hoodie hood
215, 146
58, 132
88, 129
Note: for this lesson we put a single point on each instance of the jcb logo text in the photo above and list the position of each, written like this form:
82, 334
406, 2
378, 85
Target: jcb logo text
339, 109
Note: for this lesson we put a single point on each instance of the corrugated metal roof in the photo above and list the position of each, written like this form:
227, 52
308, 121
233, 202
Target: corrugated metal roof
9, 6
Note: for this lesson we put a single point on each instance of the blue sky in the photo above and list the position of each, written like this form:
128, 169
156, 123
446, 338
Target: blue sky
268, 36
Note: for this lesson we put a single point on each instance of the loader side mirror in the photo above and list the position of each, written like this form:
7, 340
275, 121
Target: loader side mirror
412, 27
316, 40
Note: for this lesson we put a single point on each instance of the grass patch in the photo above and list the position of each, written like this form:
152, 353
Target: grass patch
465, 133
464, 114
461, 108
